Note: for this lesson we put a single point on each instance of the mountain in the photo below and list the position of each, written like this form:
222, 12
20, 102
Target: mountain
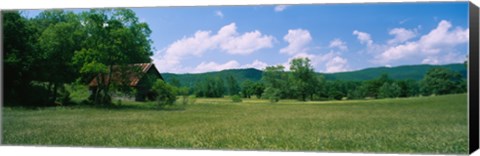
415, 72
239, 74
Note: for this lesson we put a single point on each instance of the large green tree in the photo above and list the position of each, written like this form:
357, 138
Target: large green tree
442, 81
275, 80
56, 46
304, 78
247, 88
232, 85
210, 87
389, 90
258, 88
19, 39
408, 88
114, 37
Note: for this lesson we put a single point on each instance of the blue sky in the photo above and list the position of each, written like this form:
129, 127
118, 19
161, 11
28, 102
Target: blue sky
336, 37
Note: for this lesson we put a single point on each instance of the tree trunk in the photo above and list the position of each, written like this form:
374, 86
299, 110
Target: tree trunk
55, 89
106, 96
95, 97
101, 86
50, 93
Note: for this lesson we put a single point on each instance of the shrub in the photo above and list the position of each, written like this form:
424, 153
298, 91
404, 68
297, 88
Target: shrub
65, 98
337, 95
271, 94
183, 92
119, 102
184, 100
236, 98
192, 99
389, 90
165, 93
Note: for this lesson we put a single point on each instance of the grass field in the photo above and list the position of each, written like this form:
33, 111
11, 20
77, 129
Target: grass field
410, 125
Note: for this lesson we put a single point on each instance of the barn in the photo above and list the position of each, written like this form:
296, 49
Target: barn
137, 76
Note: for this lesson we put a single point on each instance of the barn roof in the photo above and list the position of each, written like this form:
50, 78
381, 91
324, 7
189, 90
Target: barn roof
133, 77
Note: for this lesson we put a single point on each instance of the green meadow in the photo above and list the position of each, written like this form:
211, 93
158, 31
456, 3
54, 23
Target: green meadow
436, 124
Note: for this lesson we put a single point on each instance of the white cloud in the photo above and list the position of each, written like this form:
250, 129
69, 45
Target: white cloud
219, 13
430, 60
232, 64
439, 59
363, 37
297, 40
247, 43
212, 66
401, 35
442, 37
195, 45
398, 52
438, 42
280, 8
330, 62
300, 55
336, 64
227, 39
337, 43
256, 64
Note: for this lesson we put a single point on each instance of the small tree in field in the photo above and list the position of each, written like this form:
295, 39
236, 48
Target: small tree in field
183, 91
388, 90
247, 88
236, 98
271, 94
441, 81
166, 93
232, 85
304, 79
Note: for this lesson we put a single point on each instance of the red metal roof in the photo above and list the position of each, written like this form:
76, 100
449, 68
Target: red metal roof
134, 78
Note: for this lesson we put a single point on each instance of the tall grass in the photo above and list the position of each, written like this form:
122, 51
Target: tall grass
411, 125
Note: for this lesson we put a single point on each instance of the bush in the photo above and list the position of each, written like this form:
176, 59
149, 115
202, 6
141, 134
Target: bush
165, 93
271, 94
185, 99
65, 98
183, 92
337, 95
119, 102
192, 99
236, 98
389, 91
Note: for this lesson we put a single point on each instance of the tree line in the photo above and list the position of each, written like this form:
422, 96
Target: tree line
57, 47
302, 83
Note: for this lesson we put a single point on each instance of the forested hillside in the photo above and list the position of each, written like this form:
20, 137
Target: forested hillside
239, 74
414, 72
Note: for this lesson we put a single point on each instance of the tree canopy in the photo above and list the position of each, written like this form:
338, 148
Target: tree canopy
58, 47
442, 81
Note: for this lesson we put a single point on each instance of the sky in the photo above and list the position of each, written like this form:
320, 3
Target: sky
335, 37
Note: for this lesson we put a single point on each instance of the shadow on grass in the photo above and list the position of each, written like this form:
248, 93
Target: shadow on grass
145, 106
